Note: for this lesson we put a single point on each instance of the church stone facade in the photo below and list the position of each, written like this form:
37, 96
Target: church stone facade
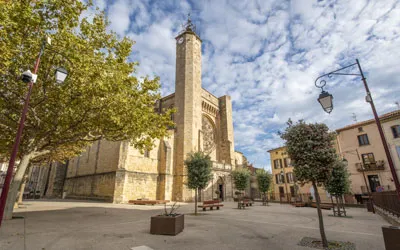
116, 171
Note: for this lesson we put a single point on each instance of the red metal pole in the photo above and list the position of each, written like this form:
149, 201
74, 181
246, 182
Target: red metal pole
7, 181
378, 123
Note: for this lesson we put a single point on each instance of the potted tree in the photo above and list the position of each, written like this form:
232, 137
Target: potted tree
241, 178
264, 181
169, 222
199, 172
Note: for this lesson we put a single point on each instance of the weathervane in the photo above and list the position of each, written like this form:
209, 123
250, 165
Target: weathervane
189, 26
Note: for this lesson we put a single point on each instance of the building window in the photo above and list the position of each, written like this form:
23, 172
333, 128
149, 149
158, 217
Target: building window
277, 163
363, 140
147, 153
398, 151
368, 159
396, 131
360, 129
289, 177
279, 179
286, 161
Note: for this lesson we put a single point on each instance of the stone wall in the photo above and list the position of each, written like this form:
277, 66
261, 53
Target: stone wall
145, 175
92, 174
96, 186
56, 180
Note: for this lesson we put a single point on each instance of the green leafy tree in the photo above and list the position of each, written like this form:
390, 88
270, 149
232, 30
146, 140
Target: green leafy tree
241, 178
199, 167
310, 149
100, 99
338, 184
264, 180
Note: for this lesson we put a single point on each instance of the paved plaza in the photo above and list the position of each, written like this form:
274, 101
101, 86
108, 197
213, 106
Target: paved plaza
94, 225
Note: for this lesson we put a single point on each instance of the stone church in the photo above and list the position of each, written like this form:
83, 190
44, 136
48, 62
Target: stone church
117, 172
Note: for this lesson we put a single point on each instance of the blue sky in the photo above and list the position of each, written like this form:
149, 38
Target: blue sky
267, 54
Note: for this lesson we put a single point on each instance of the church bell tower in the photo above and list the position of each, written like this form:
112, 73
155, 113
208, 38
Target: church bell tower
188, 104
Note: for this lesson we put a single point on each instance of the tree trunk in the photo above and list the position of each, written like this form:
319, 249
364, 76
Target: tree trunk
15, 184
342, 204
338, 206
195, 202
320, 218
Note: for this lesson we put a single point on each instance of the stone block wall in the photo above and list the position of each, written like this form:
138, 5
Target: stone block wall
56, 180
92, 174
99, 186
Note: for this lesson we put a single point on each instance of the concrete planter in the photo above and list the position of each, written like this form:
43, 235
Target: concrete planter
391, 236
167, 225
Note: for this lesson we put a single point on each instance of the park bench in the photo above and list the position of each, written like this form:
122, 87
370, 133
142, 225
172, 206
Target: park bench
323, 206
245, 203
211, 204
298, 204
148, 202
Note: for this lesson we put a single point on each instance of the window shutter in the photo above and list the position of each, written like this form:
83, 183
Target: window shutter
280, 163
276, 179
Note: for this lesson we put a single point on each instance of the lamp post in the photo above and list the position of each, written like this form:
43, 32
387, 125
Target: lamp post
27, 77
284, 181
325, 99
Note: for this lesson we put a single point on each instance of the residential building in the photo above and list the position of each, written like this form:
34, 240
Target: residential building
361, 145
285, 187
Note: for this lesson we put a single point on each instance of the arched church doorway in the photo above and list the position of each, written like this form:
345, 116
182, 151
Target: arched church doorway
221, 188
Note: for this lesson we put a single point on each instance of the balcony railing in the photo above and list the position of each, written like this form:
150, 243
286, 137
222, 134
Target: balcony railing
378, 165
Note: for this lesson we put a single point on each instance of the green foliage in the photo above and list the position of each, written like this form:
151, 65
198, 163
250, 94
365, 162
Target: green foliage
100, 99
338, 183
264, 180
241, 178
199, 168
310, 148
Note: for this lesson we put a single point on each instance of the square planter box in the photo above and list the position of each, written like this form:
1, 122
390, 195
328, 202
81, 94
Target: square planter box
167, 225
391, 235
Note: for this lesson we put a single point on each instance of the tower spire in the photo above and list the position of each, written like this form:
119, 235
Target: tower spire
189, 26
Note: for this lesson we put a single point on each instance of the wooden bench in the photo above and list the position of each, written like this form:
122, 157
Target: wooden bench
298, 204
245, 203
323, 206
211, 204
148, 202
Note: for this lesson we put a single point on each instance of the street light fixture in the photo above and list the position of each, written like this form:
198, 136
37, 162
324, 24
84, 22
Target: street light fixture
61, 74
325, 99
326, 102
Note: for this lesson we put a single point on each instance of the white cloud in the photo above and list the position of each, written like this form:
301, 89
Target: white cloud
267, 54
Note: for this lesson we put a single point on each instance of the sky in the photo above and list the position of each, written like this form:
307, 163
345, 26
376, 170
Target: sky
267, 54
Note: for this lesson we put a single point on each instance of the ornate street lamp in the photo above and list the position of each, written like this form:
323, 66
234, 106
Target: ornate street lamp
325, 99
61, 74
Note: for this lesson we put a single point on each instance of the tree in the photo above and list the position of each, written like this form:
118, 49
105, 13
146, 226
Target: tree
264, 180
100, 99
199, 168
310, 149
338, 184
241, 178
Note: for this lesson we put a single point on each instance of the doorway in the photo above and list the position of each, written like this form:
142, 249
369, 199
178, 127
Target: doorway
373, 182
220, 188
281, 192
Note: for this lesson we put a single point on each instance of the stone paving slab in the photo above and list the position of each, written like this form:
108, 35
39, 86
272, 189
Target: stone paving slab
95, 225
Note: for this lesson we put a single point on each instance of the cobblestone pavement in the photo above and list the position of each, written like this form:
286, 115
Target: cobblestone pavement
94, 225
